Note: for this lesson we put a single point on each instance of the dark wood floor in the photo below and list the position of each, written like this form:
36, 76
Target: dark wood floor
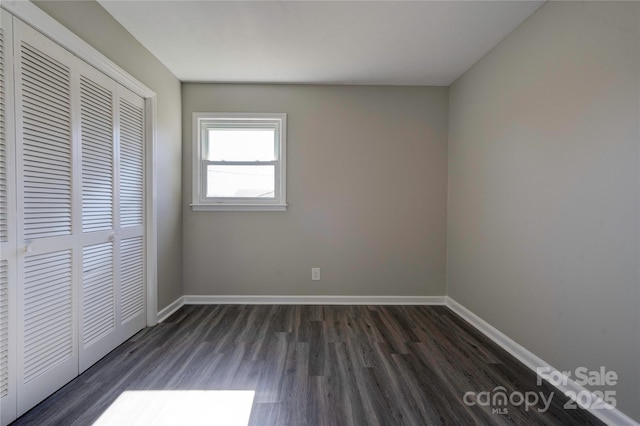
316, 365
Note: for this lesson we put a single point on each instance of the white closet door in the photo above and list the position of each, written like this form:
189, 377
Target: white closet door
8, 244
98, 294
130, 214
72, 264
48, 213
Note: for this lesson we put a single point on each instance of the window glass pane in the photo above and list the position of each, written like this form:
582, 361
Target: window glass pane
241, 145
241, 181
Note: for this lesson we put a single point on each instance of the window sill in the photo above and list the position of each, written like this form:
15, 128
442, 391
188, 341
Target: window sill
239, 207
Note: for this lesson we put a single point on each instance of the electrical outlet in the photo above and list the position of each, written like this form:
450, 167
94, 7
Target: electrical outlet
315, 274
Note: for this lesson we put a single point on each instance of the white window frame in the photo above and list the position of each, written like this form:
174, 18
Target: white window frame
202, 122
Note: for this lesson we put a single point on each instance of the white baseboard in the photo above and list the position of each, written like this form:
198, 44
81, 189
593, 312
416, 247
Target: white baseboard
165, 313
314, 300
608, 414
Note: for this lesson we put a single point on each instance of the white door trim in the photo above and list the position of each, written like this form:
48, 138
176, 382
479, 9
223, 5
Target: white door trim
37, 18
9, 248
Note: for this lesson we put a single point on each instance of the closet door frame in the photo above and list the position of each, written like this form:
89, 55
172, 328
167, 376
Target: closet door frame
9, 248
35, 17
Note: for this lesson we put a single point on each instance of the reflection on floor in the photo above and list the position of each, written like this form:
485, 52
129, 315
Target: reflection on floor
179, 407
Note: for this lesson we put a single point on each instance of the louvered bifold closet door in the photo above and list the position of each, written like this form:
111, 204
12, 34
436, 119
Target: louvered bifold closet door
98, 293
8, 244
47, 216
130, 229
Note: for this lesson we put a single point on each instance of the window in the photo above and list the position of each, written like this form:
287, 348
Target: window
239, 161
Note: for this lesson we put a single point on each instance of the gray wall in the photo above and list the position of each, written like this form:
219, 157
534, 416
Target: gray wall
543, 186
366, 191
543, 189
93, 24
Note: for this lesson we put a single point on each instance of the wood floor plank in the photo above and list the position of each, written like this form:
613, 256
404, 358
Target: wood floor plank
315, 366
271, 377
348, 399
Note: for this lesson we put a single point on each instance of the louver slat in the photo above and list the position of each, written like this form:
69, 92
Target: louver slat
131, 164
47, 144
97, 156
48, 312
98, 303
132, 277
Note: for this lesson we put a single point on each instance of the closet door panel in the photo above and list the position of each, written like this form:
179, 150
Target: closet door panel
5, 389
98, 313
130, 232
4, 328
131, 278
98, 294
8, 243
46, 144
48, 313
97, 129
47, 350
131, 121
5, 87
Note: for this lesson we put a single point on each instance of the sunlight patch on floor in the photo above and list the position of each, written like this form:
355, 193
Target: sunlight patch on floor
179, 407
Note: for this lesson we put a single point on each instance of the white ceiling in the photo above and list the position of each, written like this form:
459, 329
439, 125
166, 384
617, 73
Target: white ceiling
341, 42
